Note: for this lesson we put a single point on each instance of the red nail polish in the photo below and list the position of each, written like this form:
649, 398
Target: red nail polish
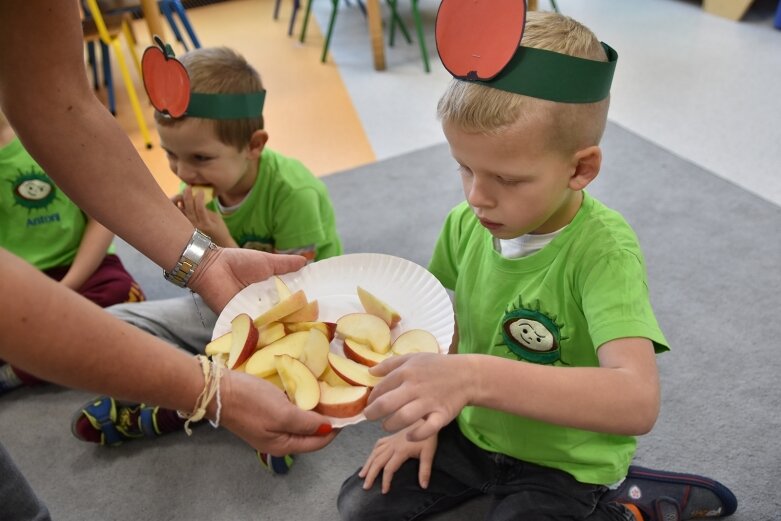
323, 429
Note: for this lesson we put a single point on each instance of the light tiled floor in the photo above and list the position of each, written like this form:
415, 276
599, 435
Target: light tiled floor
706, 88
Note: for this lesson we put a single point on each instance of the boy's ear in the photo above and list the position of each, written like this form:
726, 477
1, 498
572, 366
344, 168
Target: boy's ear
257, 142
587, 161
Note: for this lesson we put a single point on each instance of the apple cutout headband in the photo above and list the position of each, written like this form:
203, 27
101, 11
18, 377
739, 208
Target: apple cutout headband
168, 86
479, 41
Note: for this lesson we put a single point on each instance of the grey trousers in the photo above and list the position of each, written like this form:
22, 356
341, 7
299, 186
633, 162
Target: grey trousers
18, 502
186, 322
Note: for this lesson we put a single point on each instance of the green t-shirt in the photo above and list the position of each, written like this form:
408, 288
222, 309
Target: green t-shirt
37, 221
288, 208
557, 306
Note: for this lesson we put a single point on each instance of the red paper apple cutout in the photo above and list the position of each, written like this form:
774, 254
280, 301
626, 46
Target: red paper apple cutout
165, 79
477, 38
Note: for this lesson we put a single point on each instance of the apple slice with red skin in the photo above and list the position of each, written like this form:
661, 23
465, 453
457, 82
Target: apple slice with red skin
301, 386
331, 378
308, 313
374, 306
243, 340
415, 341
362, 354
314, 355
365, 329
261, 363
327, 328
342, 401
221, 344
283, 308
352, 372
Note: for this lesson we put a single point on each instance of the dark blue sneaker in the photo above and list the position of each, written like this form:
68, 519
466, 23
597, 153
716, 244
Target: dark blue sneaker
671, 496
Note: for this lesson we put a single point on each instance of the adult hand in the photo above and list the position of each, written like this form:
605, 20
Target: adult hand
260, 414
391, 452
425, 386
226, 271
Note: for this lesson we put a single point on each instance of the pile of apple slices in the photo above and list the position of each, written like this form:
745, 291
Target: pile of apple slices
290, 347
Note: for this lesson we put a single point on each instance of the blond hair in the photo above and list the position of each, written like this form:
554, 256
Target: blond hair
571, 126
220, 70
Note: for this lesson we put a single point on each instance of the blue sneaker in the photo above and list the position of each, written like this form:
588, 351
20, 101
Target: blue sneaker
276, 464
671, 496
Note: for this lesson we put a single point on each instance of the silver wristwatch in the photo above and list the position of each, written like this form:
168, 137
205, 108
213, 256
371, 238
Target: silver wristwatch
191, 257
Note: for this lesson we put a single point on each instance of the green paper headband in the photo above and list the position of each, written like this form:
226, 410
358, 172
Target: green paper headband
553, 76
168, 86
479, 41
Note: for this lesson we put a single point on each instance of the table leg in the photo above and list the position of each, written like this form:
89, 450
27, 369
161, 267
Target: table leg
153, 20
374, 17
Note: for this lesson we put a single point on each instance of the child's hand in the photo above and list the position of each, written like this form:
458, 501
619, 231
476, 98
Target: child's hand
391, 452
424, 386
210, 223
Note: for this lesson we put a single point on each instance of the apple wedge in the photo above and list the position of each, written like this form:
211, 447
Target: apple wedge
300, 384
327, 328
220, 345
352, 372
314, 355
270, 333
206, 190
285, 307
283, 292
341, 401
375, 306
275, 380
308, 313
362, 354
365, 329
415, 341
243, 340
261, 364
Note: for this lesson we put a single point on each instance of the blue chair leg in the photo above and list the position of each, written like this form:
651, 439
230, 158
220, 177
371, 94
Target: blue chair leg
179, 8
105, 54
93, 64
296, 7
276, 9
777, 22
165, 7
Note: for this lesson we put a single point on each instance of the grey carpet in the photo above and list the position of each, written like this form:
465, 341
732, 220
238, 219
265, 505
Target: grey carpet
713, 253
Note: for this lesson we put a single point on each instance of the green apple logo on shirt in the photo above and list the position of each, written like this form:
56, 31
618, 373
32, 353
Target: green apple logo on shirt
531, 335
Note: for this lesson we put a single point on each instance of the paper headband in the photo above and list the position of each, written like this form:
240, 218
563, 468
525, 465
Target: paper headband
168, 86
479, 41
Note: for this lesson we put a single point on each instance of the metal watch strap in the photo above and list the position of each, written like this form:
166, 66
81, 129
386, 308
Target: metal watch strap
191, 257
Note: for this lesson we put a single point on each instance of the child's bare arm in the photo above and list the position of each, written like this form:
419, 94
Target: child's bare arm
391, 452
92, 250
621, 396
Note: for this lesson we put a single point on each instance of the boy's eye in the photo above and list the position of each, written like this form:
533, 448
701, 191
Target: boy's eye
464, 170
201, 158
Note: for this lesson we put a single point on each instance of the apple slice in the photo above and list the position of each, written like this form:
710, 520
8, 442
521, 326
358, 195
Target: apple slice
352, 372
315, 352
285, 307
243, 340
270, 333
365, 329
342, 401
327, 328
415, 341
300, 384
308, 313
275, 380
221, 344
261, 363
283, 292
378, 308
331, 378
206, 190
362, 354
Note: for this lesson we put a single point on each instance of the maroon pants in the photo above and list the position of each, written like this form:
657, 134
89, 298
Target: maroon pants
110, 284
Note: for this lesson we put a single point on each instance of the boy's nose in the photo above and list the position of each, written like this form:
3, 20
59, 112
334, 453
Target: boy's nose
478, 196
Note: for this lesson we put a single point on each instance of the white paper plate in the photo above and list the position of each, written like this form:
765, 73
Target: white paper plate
410, 289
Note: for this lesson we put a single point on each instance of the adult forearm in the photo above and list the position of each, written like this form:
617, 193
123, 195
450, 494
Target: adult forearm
61, 337
74, 138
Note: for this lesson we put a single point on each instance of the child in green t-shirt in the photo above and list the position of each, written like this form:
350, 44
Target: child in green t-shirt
261, 200
553, 371
40, 224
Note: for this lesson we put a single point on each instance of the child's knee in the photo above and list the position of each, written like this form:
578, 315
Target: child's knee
354, 502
